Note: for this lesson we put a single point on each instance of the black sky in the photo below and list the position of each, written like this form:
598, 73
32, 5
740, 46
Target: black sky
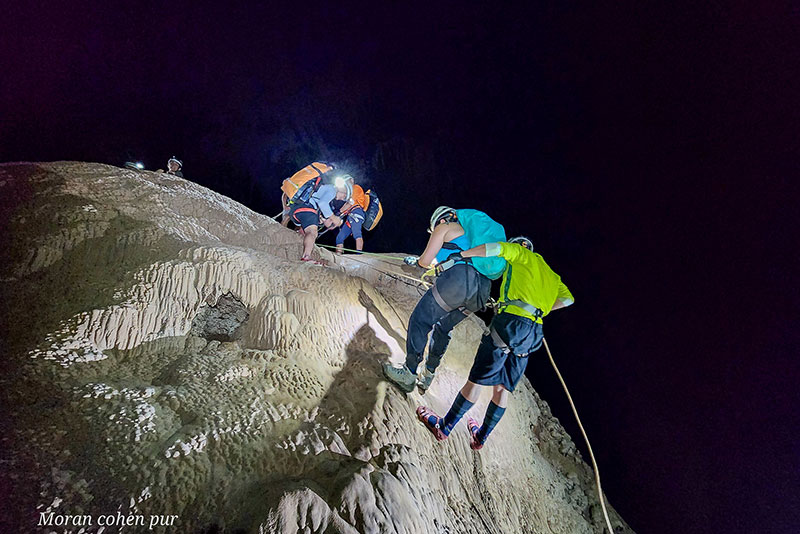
648, 150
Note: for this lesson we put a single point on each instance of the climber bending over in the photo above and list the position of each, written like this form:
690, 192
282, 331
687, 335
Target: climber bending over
530, 290
458, 291
309, 215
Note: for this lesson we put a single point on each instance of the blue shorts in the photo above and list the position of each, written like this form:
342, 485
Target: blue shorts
493, 365
304, 215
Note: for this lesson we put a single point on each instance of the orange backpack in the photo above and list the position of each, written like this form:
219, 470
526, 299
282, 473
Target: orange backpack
293, 186
360, 198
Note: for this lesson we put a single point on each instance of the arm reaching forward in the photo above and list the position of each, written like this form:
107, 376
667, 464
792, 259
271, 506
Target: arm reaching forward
435, 242
479, 251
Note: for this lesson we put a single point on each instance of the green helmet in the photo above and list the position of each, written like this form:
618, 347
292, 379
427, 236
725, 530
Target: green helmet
522, 240
442, 212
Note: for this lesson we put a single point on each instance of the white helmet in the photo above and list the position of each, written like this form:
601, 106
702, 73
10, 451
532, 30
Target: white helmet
442, 212
522, 240
345, 183
176, 160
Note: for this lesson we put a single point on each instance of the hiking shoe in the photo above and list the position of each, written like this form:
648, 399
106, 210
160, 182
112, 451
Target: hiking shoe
431, 422
309, 259
424, 381
402, 377
474, 443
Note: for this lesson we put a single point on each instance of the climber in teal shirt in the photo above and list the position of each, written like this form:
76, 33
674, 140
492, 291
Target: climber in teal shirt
458, 291
530, 290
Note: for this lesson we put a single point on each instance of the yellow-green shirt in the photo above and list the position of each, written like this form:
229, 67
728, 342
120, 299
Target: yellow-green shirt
528, 278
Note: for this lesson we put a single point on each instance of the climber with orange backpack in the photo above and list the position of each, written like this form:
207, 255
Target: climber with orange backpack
309, 206
299, 187
353, 213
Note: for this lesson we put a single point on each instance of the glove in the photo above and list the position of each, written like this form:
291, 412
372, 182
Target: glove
411, 260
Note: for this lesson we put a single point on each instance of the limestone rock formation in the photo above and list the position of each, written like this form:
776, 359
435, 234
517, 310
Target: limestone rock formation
164, 355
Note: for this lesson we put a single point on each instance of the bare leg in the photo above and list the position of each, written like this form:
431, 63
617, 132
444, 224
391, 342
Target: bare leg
340, 249
360, 243
471, 391
308, 241
500, 396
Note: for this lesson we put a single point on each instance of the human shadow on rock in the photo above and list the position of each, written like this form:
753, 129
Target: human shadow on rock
354, 392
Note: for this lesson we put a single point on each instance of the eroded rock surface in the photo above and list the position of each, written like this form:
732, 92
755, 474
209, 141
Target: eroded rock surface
164, 354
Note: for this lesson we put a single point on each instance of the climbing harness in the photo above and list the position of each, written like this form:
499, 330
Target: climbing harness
430, 273
500, 344
585, 437
449, 263
533, 310
443, 303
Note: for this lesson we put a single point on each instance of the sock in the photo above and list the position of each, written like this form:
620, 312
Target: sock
460, 406
493, 415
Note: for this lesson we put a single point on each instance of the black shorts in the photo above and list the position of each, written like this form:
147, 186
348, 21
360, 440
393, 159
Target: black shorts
463, 286
493, 365
304, 215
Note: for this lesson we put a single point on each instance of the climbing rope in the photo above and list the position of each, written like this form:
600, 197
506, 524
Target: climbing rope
394, 276
374, 254
585, 437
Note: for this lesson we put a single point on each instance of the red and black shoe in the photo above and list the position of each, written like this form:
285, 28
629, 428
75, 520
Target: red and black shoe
309, 259
474, 443
432, 422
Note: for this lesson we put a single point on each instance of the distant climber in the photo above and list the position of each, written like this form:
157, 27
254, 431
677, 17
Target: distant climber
317, 210
353, 214
174, 166
461, 288
530, 290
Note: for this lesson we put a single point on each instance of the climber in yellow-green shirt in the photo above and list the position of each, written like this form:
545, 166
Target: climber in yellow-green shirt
530, 290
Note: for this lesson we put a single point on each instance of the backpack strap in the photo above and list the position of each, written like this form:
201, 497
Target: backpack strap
318, 179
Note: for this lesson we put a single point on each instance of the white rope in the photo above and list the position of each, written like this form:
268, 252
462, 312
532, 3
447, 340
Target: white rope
585, 437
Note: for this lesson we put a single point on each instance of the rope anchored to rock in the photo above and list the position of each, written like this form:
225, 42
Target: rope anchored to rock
396, 276
373, 254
